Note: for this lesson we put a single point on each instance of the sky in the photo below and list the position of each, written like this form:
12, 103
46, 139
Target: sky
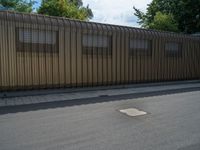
118, 12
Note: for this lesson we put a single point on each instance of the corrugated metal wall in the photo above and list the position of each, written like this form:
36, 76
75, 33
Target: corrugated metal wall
47, 52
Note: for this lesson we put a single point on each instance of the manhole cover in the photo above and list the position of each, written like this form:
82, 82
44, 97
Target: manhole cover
133, 112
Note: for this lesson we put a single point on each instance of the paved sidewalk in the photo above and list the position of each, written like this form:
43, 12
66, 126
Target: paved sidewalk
14, 101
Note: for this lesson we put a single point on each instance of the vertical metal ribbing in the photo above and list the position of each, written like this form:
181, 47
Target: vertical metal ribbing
174, 72
138, 58
101, 55
61, 54
2, 81
129, 57
82, 24
16, 62
120, 56
155, 65
52, 58
78, 54
92, 56
76, 60
152, 69
176, 60
106, 55
160, 57
140, 36
64, 53
31, 53
67, 58
87, 61
1, 84
191, 57
171, 60
187, 59
194, 60
88, 53
82, 66
57, 51
4, 66
45, 53
165, 65
23, 57
95, 57
110, 55
126, 58
185, 64
116, 55
70, 53
134, 57
154, 49
182, 71
29, 73
144, 57
37, 55
7, 25
191, 61
198, 56
73, 52
28, 57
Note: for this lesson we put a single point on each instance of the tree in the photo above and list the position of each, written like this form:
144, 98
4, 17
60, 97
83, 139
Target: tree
186, 13
164, 22
65, 8
18, 5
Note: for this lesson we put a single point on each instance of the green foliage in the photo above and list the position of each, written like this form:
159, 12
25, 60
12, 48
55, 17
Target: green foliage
164, 22
65, 8
185, 12
18, 5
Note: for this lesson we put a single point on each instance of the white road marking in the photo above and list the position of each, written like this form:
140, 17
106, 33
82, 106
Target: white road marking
133, 112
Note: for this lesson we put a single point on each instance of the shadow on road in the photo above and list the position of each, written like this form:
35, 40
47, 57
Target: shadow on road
85, 101
191, 147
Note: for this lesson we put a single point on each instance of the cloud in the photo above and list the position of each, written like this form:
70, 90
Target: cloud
116, 11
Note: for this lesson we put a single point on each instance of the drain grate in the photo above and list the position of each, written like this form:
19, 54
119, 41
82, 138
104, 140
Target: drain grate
133, 112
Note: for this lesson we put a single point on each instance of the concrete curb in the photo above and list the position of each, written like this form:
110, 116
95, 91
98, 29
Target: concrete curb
69, 96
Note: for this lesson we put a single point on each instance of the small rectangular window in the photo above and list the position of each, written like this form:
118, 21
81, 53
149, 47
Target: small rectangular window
37, 40
140, 47
96, 44
172, 49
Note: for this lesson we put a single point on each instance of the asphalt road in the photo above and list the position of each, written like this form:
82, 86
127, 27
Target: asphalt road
172, 123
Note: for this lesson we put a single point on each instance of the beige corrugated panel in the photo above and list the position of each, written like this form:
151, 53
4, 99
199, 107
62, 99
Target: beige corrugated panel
39, 51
